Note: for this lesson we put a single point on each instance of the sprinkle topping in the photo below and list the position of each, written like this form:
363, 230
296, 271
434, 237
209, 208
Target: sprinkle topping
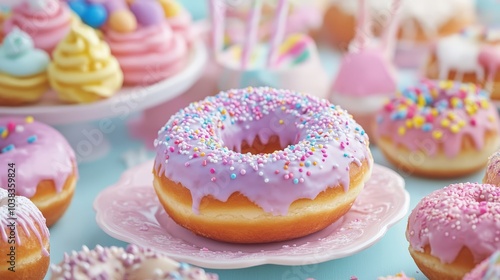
443, 111
131, 263
314, 133
465, 214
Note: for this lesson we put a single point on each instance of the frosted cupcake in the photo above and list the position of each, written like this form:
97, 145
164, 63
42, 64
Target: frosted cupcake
148, 50
23, 70
46, 21
83, 69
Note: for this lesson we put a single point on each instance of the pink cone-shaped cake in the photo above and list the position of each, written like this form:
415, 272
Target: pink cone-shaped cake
366, 77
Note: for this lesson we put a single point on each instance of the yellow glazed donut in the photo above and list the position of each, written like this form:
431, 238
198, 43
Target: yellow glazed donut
260, 165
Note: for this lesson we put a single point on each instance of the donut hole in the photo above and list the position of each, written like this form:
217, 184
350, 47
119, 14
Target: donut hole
260, 147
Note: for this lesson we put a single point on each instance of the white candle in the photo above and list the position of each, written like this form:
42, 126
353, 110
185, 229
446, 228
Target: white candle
278, 30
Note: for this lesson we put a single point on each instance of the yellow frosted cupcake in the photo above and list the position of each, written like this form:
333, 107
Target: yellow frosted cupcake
83, 69
23, 70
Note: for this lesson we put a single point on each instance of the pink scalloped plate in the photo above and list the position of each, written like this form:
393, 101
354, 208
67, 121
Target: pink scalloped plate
130, 211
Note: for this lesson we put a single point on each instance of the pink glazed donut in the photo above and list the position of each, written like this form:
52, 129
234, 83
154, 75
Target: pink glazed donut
455, 228
439, 129
45, 164
260, 165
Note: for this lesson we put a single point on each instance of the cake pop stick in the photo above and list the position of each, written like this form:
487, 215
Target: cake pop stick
389, 36
218, 15
251, 31
363, 31
278, 30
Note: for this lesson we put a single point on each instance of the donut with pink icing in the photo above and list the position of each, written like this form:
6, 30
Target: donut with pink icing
118, 263
438, 129
260, 165
44, 163
489, 269
46, 21
453, 229
24, 241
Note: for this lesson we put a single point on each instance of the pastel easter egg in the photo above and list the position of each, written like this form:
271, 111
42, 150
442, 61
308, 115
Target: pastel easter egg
95, 15
122, 21
170, 8
78, 6
112, 5
147, 12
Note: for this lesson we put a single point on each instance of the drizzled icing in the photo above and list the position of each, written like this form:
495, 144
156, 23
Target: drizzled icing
28, 217
474, 50
39, 153
83, 69
132, 263
321, 141
19, 58
492, 175
459, 215
149, 54
489, 269
47, 22
435, 114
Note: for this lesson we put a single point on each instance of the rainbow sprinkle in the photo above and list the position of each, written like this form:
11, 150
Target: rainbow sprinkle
420, 105
10, 129
319, 141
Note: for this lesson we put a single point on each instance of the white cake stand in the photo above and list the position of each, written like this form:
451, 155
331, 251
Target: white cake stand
125, 102
85, 126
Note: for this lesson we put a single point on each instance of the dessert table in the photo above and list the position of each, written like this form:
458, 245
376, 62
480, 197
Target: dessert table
78, 226
130, 145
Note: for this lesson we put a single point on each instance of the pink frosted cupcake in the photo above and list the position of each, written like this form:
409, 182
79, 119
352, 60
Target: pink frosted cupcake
149, 51
46, 21
366, 78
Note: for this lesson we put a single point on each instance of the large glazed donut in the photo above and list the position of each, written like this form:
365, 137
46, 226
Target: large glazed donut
438, 129
132, 263
24, 240
260, 165
45, 164
454, 228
